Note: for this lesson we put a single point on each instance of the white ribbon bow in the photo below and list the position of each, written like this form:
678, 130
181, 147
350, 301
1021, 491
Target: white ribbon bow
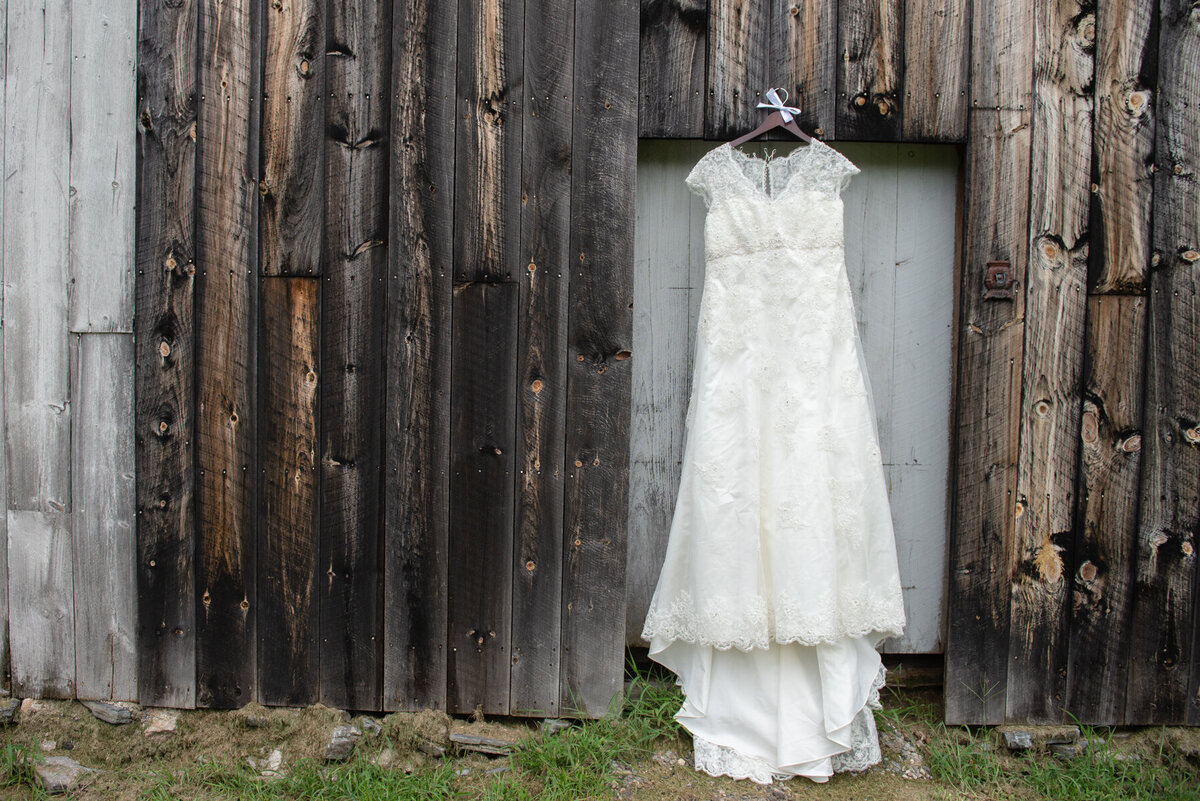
778, 104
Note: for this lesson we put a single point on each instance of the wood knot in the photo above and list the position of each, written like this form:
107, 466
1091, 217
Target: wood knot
164, 348
794, 10
1190, 256
1085, 31
1137, 102
622, 355
1192, 435
536, 386
530, 566
1090, 427
1186, 548
305, 68
1042, 408
1132, 444
1088, 571
860, 100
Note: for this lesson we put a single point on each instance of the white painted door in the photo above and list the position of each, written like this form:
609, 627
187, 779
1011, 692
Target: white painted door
900, 256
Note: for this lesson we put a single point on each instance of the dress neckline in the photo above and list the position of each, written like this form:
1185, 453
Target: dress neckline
735, 155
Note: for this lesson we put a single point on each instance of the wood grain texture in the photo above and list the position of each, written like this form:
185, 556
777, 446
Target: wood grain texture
672, 59
1001, 49
739, 65
1163, 648
288, 525
1110, 457
988, 398
103, 102
1055, 308
226, 300
870, 76
936, 60
36, 347
804, 60
103, 526
5, 678
1123, 146
541, 358
668, 276
487, 258
417, 419
352, 356
293, 151
165, 410
599, 341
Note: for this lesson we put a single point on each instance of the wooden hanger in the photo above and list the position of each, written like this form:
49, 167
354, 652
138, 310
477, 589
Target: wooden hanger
775, 119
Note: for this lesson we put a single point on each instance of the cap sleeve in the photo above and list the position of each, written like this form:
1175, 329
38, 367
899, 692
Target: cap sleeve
845, 169
698, 181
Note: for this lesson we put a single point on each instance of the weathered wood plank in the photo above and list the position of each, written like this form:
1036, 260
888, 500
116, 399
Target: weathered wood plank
1110, 457
293, 150
1001, 52
102, 165
40, 592
417, 419
36, 347
870, 76
668, 273
226, 257
916, 442
541, 357
1123, 146
804, 60
672, 57
5, 680
288, 527
988, 398
487, 257
165, 355
599, 341
739, 66
1055, 307
935, 66
102, 503
1164, 646
352, 313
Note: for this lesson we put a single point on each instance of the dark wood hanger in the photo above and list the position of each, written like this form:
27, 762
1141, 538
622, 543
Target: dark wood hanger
774, 120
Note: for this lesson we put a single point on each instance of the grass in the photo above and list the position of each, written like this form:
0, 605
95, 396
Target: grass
588, 760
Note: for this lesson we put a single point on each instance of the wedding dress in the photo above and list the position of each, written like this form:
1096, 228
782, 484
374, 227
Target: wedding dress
780, 574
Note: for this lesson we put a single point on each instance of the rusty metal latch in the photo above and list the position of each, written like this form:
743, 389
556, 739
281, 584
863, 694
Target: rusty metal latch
998, 280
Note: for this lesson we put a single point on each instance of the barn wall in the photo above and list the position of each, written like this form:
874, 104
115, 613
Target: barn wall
383, 275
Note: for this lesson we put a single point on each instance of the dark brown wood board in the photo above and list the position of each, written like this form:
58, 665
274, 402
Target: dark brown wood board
227, 139
541, 357
487, 262
672, 58
1123, 146
418, 339
352, 354
1163, 644
987, 420
1110, 456
804, 61
870, 76
739, 66
599, 347
287, 588
165, 410
1055, 308
936, 63
293, 151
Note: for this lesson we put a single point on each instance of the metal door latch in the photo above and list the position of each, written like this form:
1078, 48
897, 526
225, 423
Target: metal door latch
998, 280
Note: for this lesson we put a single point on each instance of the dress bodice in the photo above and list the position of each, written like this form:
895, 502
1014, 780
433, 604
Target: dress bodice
791, 202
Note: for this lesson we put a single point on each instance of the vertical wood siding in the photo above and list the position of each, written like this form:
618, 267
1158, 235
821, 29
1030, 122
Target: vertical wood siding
380, 269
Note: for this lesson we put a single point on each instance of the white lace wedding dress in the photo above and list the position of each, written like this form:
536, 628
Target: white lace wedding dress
780, 574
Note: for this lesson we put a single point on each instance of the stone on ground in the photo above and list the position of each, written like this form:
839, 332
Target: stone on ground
161, 724
116, 714
341, 743
58, 774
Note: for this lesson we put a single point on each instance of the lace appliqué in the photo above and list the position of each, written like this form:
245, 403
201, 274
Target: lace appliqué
719, 622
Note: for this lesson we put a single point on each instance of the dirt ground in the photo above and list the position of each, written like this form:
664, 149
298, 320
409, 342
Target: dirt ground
411, 742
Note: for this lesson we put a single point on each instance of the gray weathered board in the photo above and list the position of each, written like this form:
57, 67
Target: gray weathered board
900, 215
